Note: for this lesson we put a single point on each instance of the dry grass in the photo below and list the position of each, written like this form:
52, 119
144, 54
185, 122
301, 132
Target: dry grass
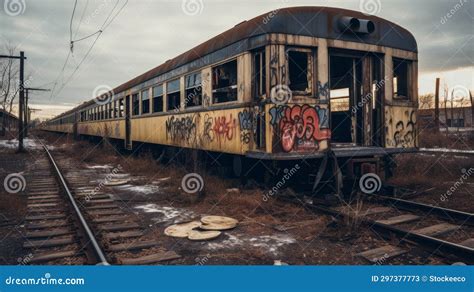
433, 139
414, 170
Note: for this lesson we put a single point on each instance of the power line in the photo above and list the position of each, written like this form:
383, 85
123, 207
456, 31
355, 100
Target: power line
70, 24
82, 17
98, 33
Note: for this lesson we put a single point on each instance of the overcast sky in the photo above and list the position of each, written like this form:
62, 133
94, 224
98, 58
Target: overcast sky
147, 33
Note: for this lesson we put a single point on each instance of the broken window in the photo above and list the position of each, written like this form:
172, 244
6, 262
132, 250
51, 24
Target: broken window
259, 75
401, 74
145, 102
193, 90
135, 104
224, 82
158, 99
174, 95
121, 108
299, 67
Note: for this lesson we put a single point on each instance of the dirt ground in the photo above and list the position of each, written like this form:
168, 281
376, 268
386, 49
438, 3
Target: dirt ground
269, 231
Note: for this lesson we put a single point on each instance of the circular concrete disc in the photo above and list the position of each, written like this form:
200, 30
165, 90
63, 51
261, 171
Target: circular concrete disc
215, 226
181, 230
219, 220
203, 235
116, 182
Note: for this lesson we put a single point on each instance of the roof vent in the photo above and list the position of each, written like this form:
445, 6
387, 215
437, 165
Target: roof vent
355, 25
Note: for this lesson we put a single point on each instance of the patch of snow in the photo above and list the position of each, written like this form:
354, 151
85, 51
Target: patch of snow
167, 214
268, 243
143, 189
27, 143
106, 166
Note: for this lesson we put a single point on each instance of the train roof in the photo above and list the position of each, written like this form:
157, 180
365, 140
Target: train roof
313, 21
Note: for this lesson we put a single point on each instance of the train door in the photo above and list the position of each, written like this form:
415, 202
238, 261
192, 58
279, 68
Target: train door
128, 141
345, 88
259, 83
356, 99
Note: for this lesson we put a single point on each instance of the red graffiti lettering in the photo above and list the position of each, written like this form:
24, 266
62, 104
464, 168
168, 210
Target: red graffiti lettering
299, 128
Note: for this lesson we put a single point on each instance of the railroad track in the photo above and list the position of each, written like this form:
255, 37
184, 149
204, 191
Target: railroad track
70, 222
446, 232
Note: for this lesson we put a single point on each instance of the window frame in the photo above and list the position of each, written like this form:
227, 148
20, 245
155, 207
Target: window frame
310, 70
142, 101
162, 95
193, 87
168, 93
135, 97
409, 82
222, 89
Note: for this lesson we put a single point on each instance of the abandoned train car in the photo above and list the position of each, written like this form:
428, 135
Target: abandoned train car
296, 83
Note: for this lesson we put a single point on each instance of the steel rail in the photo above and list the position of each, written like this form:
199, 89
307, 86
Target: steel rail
90, 236
435, 245
459, 216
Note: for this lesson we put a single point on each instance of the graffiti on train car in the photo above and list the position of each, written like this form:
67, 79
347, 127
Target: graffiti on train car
300, 127
323, 91
208, 133
224, 128
246, 122
405, 131
181, 128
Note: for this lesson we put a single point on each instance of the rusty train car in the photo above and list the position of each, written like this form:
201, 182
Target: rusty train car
308, 84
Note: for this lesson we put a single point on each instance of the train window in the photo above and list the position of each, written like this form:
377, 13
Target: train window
401, 74
111, 110
259, 74
158, 99
299, 70
193, 90
174, 95
145, 102
224, 82
120, 109
135, 104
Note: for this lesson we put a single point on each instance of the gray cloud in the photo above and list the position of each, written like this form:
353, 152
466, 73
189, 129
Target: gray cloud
147, 33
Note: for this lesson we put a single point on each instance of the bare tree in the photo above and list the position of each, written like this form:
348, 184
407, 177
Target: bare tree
426, 101
8, 85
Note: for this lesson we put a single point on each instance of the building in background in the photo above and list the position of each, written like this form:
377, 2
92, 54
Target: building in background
8, 123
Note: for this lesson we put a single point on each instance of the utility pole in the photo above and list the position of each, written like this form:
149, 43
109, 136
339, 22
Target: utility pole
22, 97
26, 117
437, 105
